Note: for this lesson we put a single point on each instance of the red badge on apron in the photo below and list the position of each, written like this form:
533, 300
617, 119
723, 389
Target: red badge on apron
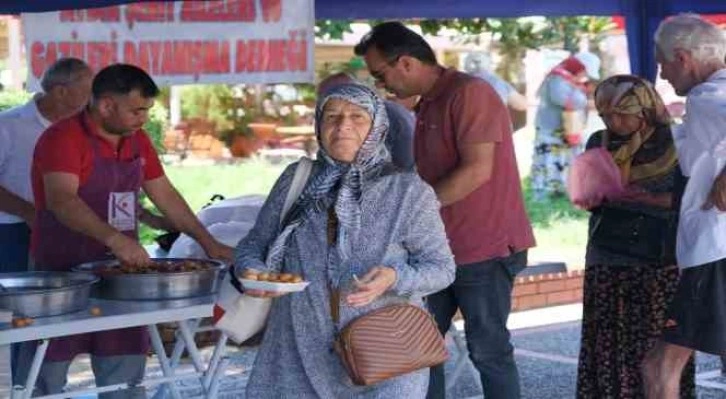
122, 210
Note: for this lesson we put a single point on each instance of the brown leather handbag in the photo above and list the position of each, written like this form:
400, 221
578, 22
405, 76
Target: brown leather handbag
389, 342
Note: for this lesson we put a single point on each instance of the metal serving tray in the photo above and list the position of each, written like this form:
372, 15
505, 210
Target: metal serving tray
154, 286
39, 294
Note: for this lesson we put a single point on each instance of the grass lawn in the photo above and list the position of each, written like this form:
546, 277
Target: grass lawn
560, 229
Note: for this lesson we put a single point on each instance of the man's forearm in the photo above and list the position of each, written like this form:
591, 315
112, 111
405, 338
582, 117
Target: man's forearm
15, 205
458, 184
77, 216
176, 211
155, 221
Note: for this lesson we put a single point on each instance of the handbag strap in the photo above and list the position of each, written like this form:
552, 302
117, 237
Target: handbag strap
302, 173
605, 140
332, 233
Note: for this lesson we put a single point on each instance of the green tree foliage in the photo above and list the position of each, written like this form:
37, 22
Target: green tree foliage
157, 124
512, 37
210, 102
13, 98
332, 30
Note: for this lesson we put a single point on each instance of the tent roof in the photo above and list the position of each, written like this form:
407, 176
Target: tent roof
338, 9
642, 16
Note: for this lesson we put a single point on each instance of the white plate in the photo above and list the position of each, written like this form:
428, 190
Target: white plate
273, 286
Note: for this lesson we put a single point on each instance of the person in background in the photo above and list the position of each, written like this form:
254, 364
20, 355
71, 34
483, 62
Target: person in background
691, 53
358, 215
401, 123
560, 123
479, 65
87, 172
463, 148
626, 295
66, 88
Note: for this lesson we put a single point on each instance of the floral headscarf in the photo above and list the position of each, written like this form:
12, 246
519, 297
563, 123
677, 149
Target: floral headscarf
569, 69
632, 95
338, 183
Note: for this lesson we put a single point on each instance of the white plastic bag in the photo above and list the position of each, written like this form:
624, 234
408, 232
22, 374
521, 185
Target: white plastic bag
241, 316
228, 233
238, 209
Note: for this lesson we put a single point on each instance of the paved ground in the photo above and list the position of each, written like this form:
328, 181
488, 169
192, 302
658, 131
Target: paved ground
546, 355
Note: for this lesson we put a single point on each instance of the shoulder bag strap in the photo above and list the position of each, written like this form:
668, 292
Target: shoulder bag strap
332, 229
605, 141
302, 173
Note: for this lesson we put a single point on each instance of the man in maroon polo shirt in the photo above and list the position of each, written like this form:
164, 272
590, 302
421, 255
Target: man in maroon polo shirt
463, 148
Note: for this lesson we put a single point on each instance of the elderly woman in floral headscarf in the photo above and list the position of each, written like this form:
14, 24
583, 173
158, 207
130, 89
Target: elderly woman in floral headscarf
630, 274
387, 232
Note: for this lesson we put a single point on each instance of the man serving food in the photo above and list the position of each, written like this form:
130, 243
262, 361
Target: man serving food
87, 172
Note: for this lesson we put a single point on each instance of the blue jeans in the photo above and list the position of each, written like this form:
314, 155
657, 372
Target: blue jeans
483, 292
14, 247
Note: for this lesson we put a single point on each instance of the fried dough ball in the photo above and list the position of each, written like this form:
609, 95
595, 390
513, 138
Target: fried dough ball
271, 277
20, 322
160, 267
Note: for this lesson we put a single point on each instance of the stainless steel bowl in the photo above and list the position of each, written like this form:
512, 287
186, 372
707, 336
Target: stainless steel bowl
39, 294
155, 286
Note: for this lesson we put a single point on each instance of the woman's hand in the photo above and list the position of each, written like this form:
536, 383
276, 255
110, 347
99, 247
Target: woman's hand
637, 194
717, 196
369, 287
632, 194
588, 204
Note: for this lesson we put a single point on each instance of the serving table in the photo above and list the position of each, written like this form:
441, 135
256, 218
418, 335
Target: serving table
186, 313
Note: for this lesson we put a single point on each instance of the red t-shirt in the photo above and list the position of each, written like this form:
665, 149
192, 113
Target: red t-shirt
490, 222
66, 147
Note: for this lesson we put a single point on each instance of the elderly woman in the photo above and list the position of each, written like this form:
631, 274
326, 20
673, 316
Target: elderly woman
630, 274
563, 99
386, 232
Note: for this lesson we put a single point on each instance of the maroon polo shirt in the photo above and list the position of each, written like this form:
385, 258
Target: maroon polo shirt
491, 221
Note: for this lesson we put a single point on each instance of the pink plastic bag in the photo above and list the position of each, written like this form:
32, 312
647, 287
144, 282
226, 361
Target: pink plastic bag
593, 177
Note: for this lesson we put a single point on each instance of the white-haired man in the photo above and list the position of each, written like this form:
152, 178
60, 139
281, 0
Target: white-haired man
691, 54
66, 88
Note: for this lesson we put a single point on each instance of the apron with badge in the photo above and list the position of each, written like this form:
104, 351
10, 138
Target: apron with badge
111, 192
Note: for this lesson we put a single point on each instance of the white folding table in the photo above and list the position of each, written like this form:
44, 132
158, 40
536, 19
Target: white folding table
187, 313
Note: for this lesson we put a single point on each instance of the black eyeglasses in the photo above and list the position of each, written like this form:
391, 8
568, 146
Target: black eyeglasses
380, 75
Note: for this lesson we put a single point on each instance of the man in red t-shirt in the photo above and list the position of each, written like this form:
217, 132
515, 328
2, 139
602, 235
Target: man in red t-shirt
463, 148
87, 173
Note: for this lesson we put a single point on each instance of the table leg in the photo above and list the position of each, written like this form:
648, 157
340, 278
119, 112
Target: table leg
212, 373
219, 350
176, 355
188, 338
179, 345
163, 359
218, 373
26, 392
